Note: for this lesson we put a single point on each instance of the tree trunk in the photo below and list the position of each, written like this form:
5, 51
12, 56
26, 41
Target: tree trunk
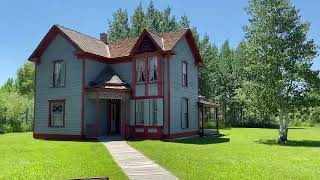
283, 129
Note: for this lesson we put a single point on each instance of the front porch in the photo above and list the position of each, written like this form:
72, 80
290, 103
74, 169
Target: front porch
109, 111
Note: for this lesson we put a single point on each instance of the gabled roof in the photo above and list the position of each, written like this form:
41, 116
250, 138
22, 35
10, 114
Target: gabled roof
88, 45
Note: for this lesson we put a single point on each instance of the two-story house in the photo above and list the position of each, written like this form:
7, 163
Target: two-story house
143, 87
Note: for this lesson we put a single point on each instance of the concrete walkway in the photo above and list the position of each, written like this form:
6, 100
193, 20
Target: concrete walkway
132, 162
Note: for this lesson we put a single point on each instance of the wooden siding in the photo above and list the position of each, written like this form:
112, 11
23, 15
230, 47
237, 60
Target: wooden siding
177, 91
59, 49
124, 70
152, 89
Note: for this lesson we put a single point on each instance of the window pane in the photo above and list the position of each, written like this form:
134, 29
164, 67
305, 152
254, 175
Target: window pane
140, 70
184, 74
58, 76
153, 66
185, 114
154, 112
140, 113
57, 114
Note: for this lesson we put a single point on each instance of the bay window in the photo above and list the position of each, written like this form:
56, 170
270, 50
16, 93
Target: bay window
153, 68
56, 113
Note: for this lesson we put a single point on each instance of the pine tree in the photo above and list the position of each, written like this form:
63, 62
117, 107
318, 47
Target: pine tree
138, 21
119, 26
184, 22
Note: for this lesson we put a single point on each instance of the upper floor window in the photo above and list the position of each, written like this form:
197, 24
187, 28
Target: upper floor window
153, 67
185, 113
140, 70
154, 112
140, 112
58, 73
184, 74
57, 113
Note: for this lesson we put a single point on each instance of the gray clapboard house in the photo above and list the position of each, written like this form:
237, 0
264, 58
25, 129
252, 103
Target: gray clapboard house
143, 87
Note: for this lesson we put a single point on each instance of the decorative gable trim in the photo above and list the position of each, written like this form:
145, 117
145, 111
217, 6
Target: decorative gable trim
193, 46
145, 35
46, 41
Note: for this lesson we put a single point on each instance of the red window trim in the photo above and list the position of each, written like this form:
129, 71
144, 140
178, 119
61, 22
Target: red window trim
183, 118
145, 57
186, 63
63, 101
53, 72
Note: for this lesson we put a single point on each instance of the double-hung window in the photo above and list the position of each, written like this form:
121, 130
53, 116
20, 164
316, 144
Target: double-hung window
140, 70
185, 113
139, 112
153, 69
184, 74
57, 113
58, 73
154, 112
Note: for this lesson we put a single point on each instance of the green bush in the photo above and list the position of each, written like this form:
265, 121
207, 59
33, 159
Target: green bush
16, 112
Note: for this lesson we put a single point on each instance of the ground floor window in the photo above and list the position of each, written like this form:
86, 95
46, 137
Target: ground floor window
140, 112
56, 113
184, 113
154, 111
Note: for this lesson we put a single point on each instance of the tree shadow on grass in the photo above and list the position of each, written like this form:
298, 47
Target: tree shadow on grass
296, 128
204, 140
292, 143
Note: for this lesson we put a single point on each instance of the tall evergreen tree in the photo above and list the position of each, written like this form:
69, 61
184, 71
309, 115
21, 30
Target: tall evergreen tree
153, 18
279, 57
119, 26
138, 21
184, 22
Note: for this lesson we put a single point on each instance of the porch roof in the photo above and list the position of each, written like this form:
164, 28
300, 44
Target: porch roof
108, 79
202, 101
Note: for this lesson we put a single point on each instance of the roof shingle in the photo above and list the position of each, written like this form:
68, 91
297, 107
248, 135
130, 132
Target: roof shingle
115, 49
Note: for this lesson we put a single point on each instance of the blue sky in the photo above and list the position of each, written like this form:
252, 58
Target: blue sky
25, 23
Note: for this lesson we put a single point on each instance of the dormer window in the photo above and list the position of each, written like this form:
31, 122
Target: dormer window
140, 70
153, 68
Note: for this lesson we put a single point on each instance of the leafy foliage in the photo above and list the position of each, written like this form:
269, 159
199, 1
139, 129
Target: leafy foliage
16, 99
268, 70
278, 60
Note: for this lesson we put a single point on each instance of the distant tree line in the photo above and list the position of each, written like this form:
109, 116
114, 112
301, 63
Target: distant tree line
266, 81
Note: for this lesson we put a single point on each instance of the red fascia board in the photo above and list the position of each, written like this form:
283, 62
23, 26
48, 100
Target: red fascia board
45, 42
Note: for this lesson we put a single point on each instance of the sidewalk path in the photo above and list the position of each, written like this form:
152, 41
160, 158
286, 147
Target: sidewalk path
134, 163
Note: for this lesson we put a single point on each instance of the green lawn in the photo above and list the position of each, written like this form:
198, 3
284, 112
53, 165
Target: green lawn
22, 157
241, 154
